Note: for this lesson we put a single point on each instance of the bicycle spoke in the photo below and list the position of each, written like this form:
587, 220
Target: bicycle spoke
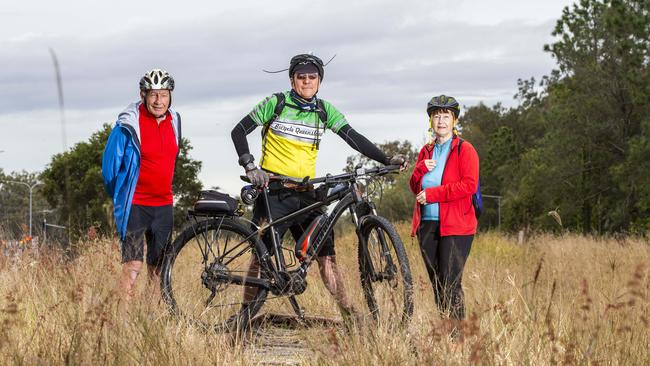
386, 280
206, 278
213, 275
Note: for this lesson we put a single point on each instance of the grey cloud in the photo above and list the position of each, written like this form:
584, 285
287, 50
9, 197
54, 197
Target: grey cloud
385, 58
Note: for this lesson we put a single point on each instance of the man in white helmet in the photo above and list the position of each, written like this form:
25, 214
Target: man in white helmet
138, 169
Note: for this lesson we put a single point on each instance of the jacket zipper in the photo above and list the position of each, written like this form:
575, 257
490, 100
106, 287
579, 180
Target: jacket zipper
132, 184
451, 150
442, 177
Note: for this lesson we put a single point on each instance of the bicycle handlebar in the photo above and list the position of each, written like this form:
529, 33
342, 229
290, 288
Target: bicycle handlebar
329, 179
360, 172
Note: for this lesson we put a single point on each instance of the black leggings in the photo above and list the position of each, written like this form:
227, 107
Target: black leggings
445, 259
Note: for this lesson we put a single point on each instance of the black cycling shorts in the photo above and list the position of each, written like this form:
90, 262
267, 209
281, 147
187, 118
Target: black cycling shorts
153, 223
284, 201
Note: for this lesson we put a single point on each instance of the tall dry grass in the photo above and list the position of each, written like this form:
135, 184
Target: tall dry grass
554, 300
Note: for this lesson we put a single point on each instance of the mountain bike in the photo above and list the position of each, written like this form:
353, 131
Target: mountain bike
218, 273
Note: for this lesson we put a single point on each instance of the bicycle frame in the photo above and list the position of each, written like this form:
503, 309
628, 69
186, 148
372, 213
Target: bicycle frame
348, 198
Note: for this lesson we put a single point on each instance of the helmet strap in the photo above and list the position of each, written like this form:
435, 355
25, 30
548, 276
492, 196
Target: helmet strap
431, 135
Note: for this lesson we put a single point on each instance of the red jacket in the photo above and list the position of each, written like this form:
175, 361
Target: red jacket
454, 195
158, 151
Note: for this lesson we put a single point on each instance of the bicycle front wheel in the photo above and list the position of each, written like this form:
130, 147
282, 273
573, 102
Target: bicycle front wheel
385, 272
199, 272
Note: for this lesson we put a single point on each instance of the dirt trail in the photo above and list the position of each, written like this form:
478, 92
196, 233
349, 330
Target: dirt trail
278, 339
278, 346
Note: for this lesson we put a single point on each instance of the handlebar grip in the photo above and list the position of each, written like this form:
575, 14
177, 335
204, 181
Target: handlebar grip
316, 180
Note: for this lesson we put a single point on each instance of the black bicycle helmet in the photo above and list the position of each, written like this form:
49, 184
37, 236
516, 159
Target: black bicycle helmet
443, 102
303, 59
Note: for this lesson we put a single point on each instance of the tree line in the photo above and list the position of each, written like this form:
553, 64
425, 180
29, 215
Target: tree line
577, 144
572, 154
73, 190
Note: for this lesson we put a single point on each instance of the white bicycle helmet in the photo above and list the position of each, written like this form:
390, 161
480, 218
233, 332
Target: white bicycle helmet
157, 79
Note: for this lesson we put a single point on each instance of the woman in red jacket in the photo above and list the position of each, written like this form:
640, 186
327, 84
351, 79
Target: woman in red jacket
444, 179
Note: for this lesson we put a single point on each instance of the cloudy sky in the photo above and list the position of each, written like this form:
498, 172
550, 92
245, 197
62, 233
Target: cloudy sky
392, 56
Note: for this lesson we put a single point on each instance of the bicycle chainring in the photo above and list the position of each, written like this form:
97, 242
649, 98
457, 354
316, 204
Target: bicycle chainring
297, 283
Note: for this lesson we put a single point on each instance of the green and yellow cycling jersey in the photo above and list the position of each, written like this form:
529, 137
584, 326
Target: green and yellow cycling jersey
289, 145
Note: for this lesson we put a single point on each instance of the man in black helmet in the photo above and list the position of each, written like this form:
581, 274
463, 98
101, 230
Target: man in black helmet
294, 122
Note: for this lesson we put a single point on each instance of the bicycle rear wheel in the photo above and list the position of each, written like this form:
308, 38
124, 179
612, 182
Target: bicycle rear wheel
198, 271
385, 273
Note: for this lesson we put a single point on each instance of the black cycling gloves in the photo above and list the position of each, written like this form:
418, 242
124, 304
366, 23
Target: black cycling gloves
257, 176
400, 160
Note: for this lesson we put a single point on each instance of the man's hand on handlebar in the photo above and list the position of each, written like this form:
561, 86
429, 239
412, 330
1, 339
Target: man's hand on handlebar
255, 175
400, 160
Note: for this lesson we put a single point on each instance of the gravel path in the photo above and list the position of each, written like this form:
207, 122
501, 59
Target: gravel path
278, 340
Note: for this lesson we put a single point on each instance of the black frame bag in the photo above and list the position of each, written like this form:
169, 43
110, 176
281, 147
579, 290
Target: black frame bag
215, 203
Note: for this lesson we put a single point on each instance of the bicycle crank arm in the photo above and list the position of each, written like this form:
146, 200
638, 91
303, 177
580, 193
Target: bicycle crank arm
297, 309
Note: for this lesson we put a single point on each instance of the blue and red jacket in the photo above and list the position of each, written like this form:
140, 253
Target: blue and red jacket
454, 195
121, 162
